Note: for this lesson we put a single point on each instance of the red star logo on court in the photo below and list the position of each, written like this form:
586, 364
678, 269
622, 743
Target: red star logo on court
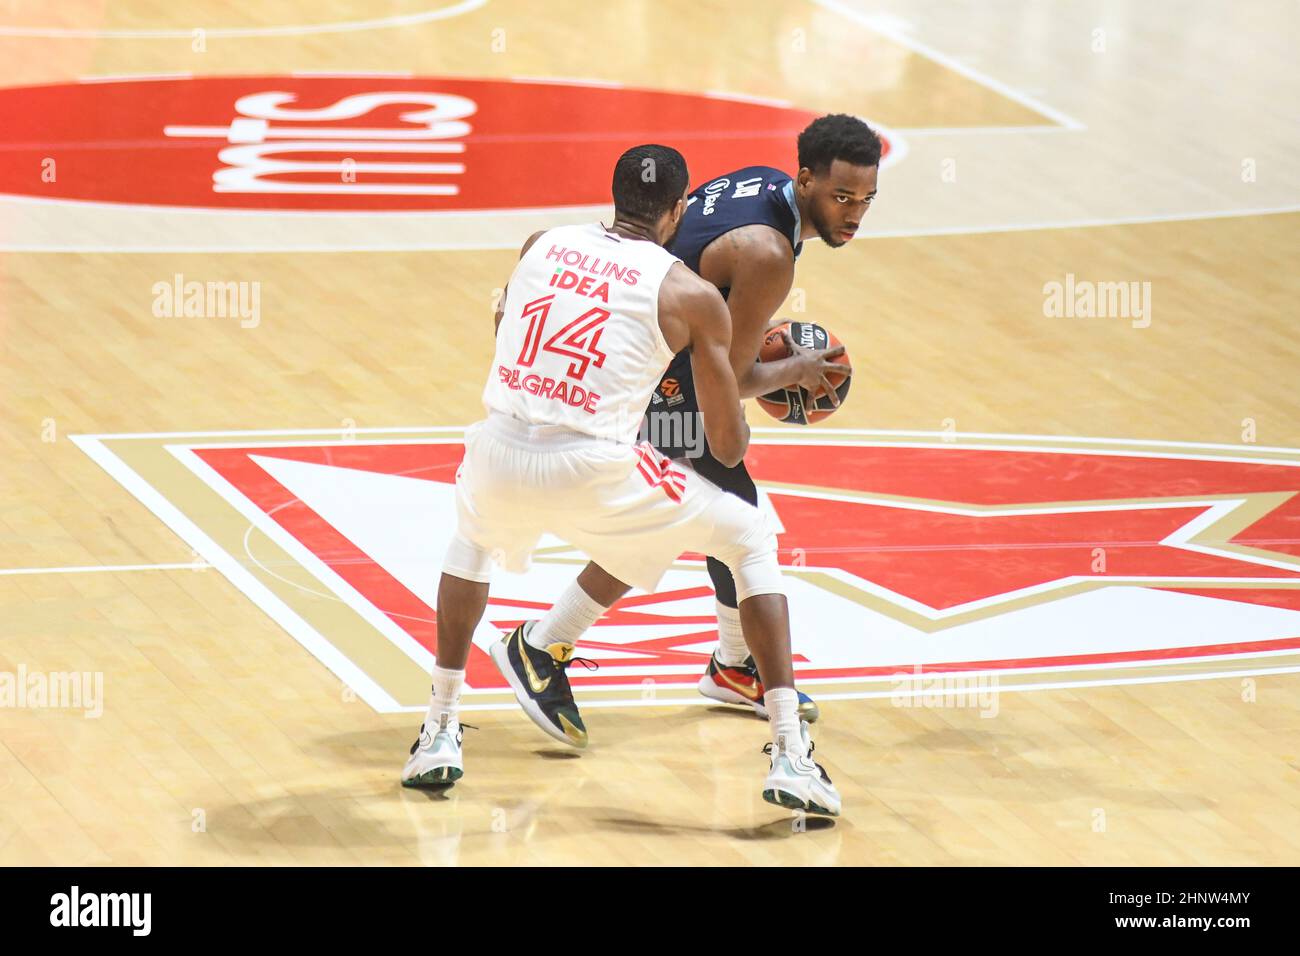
893, 550
943, 560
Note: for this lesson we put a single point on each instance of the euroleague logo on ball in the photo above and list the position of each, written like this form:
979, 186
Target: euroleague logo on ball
365, 142
796, 405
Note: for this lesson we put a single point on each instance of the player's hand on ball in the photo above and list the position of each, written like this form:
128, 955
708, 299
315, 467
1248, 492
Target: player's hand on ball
812, 366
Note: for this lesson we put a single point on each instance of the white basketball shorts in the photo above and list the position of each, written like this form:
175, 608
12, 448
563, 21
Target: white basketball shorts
630, 509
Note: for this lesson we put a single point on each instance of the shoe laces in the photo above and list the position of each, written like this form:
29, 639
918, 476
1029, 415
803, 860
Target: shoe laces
562, 668
416, 746
767, 748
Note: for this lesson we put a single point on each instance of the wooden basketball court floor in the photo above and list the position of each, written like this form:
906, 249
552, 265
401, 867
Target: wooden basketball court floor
1105, 141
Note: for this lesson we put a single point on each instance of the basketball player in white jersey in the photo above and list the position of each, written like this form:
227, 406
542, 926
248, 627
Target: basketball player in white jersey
590, 319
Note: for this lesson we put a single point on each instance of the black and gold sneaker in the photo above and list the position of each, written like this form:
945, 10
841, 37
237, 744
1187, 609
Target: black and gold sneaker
541, 683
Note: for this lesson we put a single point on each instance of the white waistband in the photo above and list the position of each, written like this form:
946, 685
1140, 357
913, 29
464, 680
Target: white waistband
508, 428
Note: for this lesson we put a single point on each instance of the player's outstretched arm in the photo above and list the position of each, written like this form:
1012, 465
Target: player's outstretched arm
692, 313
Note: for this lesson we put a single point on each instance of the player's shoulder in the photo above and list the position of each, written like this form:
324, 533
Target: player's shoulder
682, 291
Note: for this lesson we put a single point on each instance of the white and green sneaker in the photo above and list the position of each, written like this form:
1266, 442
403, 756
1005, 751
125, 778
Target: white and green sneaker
796, 782
435, 760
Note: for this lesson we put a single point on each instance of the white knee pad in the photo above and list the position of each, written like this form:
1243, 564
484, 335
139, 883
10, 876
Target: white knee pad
758, 573
467, 560
751, 556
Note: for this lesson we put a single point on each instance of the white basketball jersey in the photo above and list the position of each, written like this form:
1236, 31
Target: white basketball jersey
579, 343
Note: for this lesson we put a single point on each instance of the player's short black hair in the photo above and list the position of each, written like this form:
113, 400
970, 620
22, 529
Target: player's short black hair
838, 136
648, 179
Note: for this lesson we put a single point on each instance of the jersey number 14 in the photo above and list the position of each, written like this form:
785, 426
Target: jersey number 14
579, 340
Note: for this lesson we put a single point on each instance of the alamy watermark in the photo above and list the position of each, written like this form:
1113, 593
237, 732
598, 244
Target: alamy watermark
65, 690
1082, 299
921, 690
208, 300
682, 433
130, 910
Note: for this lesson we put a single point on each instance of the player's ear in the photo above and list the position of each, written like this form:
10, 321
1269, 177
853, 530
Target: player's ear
804, 177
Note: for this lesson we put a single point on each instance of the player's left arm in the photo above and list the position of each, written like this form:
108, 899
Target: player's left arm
756, 263
501, 302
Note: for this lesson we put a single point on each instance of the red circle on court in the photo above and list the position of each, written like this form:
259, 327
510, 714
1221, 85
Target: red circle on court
364, 142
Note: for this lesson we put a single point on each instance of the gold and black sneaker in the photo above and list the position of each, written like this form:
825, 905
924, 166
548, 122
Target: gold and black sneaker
541, 683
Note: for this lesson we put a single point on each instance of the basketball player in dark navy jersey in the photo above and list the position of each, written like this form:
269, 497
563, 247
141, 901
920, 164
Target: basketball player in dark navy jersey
742, 232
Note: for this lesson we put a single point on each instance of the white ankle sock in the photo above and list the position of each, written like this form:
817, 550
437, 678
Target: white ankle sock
732, 648
445, 699
782, 705
568, 620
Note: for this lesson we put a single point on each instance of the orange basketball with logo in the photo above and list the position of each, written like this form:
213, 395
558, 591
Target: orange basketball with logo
796, 405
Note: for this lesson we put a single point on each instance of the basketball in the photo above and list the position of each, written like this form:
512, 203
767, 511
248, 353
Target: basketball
796, 405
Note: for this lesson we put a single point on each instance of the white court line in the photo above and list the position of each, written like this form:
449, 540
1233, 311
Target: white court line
120, 77
307, 559
890, 31
907, 673
114, 568
251, 432
789, 433
353, 74
512, 243
749, 98
567, 81
353, 26
257, 592
1212, 507
982, 228
872, 432
1048, 449
701, 701
582, 209
914, 131
1062, 685
786, 436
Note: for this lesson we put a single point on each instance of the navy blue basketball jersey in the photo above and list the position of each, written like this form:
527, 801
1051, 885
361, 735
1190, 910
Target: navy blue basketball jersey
755, 194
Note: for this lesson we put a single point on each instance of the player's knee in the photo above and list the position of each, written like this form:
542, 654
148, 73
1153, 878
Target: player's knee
751, 559
466, 560
758, 573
